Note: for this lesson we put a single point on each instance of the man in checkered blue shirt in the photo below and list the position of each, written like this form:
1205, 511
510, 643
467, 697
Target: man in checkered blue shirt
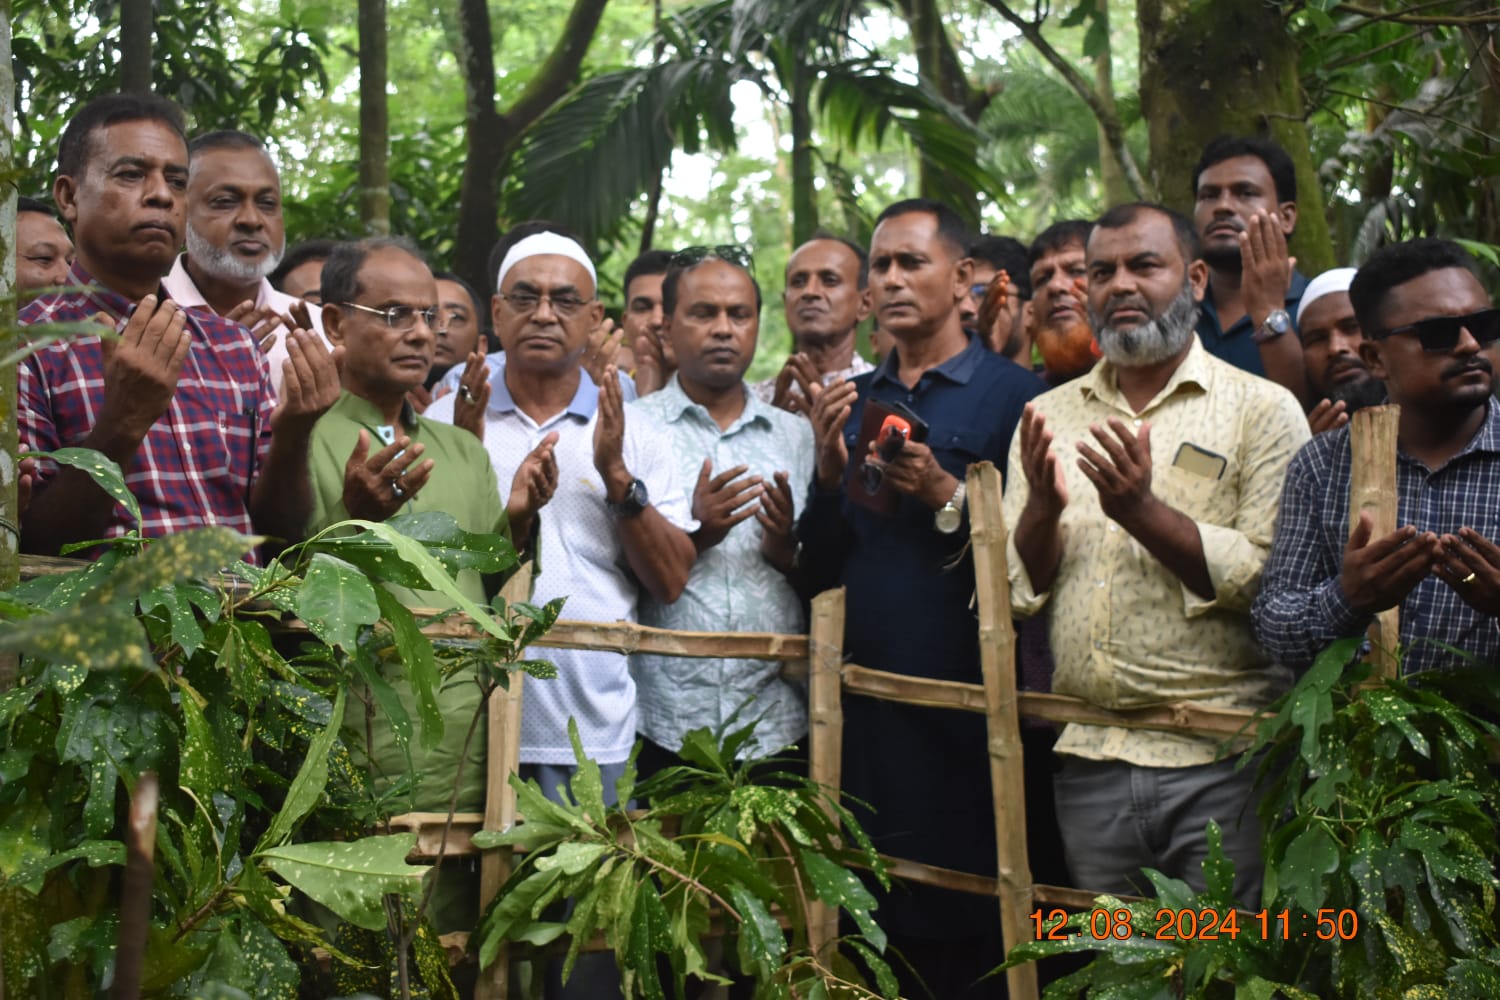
1429, 332
181, 401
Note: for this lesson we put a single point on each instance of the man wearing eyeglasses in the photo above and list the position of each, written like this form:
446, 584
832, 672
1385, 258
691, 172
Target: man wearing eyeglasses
1429, 333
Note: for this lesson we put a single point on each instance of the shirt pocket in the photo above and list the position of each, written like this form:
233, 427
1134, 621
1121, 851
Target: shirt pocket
957, 447
230, 448
1212, 501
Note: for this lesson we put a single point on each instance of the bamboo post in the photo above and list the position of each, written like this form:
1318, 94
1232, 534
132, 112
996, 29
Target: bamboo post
997, 661
1372, 488
825, 741
503, 750
135, 889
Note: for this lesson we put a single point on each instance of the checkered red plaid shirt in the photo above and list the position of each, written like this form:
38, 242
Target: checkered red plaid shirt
199, 459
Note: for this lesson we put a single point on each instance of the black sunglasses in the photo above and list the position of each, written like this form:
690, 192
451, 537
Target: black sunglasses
729, 253
1439, 334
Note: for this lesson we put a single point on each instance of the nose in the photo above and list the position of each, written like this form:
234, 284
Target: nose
248, 216
1466, 342
544, 303
158, 191
657, 317
1340, 342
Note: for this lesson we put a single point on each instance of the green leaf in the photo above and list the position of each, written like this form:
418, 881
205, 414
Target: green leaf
838, 886
94, 853
516, 907
99, 638
415, 651
202, 769
307, 787
650, 936
762, 944
350, 878
187, 555
1309, 857
335, 600
173, 599
572, 858
102, 470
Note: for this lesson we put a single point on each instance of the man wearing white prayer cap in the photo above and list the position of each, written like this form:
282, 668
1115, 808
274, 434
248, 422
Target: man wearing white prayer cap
1336, 376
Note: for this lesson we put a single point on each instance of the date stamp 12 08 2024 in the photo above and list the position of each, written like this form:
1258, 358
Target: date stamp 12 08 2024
1197, 925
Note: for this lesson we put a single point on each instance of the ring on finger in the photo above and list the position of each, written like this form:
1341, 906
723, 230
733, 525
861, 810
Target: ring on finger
397, 490
1469, 578
465, 394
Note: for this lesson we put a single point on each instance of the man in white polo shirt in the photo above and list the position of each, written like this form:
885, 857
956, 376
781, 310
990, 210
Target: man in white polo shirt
235, 238
620, 517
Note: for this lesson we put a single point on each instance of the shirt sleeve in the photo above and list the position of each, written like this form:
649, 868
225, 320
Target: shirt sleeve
648, 456
1301, 608
1024, 600
1271, 434
35, 428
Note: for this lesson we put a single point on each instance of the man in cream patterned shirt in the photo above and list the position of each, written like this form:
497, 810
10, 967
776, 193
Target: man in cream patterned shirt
1141, 500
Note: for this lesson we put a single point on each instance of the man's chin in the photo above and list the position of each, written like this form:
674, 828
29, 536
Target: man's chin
1223, 256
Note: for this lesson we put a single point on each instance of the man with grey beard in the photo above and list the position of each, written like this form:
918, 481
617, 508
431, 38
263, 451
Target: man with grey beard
1141, 499
235, 239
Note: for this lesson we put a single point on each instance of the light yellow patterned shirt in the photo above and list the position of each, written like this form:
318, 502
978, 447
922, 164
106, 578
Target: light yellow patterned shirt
1125, 630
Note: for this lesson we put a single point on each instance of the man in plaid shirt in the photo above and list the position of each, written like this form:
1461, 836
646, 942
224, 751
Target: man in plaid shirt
1429, 330
181, 401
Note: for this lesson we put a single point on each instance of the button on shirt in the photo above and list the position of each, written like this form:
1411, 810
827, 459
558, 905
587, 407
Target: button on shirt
1126, 631
732, 587
179, 284
583, 561
1301, 607
199, 460
1234, 344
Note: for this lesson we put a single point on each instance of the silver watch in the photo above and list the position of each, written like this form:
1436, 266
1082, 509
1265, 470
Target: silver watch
951, 514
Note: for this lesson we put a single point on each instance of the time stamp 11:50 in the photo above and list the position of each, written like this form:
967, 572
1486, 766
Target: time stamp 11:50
1199, 925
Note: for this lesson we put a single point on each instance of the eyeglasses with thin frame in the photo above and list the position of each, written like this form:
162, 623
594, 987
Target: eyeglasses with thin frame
1440, 334
565, 304
727, 252
401, 317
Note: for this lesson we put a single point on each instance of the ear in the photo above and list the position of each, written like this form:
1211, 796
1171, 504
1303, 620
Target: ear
65, 195
333, 324
1369, 353
963, 277
1197, 271
866, 306
496, 304
1287, 214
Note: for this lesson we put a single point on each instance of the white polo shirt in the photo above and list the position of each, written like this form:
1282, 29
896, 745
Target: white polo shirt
184, 292
582, 560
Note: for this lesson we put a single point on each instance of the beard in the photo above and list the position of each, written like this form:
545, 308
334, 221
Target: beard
1161, 339
224, 265
1068, 349
1224, 258
1357, 393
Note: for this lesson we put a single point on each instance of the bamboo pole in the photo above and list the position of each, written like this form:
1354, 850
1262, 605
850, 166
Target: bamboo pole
135, 889
997, 662
1372, 488
503, 746
825, 741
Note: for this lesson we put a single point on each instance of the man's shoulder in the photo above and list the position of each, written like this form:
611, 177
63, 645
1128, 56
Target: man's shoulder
998, 370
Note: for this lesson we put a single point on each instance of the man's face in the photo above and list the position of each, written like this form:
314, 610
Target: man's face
715, 324
1059, 314
1456, 380
968, 310
643, 309
305, 281
458, 327
127, 208
382, 361
1330, 347
549, 338
917, 279
824, 302
43, 251
1142, 294
1229, 193
235, 231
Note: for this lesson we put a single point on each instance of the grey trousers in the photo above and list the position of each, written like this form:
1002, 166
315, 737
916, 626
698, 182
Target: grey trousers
1118, 818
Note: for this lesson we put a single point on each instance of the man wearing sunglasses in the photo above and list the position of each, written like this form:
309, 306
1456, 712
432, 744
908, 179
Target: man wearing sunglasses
1429, 330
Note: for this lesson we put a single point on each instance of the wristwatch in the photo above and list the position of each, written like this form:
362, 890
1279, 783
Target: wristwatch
951, 514
1276, 324
636, 500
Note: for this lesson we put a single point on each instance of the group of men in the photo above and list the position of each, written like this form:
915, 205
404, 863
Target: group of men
1152, 384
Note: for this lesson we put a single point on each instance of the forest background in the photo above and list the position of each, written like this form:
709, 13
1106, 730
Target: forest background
666, 123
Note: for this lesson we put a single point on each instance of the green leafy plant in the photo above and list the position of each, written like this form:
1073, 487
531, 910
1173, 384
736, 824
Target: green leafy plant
1380, 807
742, 846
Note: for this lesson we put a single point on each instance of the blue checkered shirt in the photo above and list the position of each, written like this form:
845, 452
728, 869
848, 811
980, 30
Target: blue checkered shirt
1301, 608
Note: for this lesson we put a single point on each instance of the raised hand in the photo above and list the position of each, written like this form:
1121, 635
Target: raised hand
799, 372
1470, 564
1377, 575
532, 486
831, 406
141, 368
603, 345
915, 472
609, 432
1121, 472
1327, 416
377, 486
310, 381
1265, 267
777, 517
1044, 473
723, 501
261, 322
473, 395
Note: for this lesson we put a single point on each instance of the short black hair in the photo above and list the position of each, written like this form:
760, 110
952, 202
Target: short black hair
341, 272
25, 204
1058, 237
950, 225
227, 138
300, 254
75, 146
481, 308
648, 263
1278, 163
1123, 215
860, 253
1008, 254
516, 234
676, 271
1395, 265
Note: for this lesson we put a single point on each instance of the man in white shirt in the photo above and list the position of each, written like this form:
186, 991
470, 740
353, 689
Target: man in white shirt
235, 239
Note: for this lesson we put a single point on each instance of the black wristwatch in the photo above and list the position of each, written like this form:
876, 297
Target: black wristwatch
636, 500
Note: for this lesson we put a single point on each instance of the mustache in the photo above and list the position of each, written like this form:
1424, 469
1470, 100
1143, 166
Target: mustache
1478, 362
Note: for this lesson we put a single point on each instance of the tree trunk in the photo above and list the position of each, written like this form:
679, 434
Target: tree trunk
374, 122
492, 135
10, 517
1111, 173
135, 46
804, 195
938, 65
1226, 67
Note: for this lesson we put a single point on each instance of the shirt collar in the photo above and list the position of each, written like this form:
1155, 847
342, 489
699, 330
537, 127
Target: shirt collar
184, 290
1195, 372
676, 404
362, 411
583, 404
957, 369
